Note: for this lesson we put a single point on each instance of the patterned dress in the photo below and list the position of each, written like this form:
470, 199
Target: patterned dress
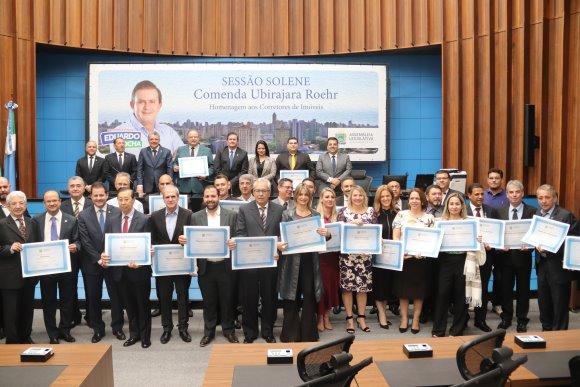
356, 270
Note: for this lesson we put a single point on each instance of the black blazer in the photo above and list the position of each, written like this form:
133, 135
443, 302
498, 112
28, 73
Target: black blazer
521, 258
112, 167
559, 214
150, 169
67, 206
95, 174
221, 164
302, 162
249, 222
488, 211
92, 239
159, 234
10, 266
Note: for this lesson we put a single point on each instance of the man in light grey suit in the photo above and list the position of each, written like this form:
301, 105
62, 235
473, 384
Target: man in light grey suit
193, 185
153, 162
332, 167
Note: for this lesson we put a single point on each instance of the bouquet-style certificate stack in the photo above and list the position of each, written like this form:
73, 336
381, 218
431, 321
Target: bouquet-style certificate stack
43, 258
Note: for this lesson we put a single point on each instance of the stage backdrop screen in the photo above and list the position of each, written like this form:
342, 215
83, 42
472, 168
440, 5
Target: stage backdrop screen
258, 101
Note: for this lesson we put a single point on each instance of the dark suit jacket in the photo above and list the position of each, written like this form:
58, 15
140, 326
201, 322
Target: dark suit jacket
92, 239
221, 164
10, 267
302, 162
95, 174
249, 223
150, 169
516, 257
159, 234
561, 215
67, 206
449, 192
488, 211
227, 218
139, 223
112, 167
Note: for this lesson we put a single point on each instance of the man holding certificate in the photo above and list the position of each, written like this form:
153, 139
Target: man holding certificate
216, 280
55, 225
134, 280
193, 185
553, 280
166, 227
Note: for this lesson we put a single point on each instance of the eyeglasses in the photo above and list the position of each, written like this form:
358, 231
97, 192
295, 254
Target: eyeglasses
261, 191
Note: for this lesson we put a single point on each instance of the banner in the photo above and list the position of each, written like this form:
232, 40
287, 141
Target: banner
268, 102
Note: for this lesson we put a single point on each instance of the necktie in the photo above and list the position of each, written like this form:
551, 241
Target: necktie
545, 214
102, 220
22, 227
285, 205
477, 212
154, 153
333, 165
76, 210
121, 159
192, 152
231, 159
125, 224
90, 163
432, 211
263, 216
515, 214
53, 232
292, 161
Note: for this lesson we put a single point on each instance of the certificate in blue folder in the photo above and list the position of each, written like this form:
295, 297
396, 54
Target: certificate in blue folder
44, 258
301, 235
254, 253
169, 260
572, 253
126, 248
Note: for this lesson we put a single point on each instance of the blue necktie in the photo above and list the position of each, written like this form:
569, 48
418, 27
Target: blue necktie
102, 220
53, 231
231, 159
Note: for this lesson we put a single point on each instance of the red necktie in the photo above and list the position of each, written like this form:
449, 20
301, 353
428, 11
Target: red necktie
126, 224
477, 213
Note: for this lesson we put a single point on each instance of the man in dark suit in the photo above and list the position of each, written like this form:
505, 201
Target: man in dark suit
293, 159
346, 186
92, 222
553, 281
166, 227
91, 167
74, 206
154, 161
54, 225
17, 292
399, 204
332, 167
120, 161
133, 280
215, 276
285, 192
232, 162
443, 180
517, 264
259, 218
479, 210
4, 191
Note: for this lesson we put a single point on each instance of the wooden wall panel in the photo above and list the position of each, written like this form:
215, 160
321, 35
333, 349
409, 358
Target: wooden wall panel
73, 30
194, 27
166, 26
7, 74
89, 23
266, 13
180, 22
341, 27
252, 44
420, 22
311, 33
373, 25
281, 28
225, 27
326, 26
151, 26
23, 19
209, 27
120, 25
7, 18
357, 25
238, 30
57, 22
41, 20
389, 29
296, 27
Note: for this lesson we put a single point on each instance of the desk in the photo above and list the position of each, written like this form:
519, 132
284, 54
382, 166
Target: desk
86, 364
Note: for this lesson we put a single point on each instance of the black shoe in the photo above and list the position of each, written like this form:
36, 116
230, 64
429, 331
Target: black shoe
54, 340
482, 326
155, 312
336, 310
522, 327
67, 337
120, 335
424, 318
232, 338
165, 337
504, 325
2, 334
205, 340
145, 344
374, 310
185, 336
248, 341
394, 308
190, 313
130, 342
269, 339
27, 340
97, 337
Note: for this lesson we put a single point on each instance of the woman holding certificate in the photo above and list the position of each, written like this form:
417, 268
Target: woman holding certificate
299, 277
356, 269
328, 263
383, 278
412, 282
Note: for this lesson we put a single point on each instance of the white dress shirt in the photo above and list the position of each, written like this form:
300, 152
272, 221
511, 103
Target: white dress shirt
213, 220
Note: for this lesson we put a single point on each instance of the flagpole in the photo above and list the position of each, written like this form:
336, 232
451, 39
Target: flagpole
10, 146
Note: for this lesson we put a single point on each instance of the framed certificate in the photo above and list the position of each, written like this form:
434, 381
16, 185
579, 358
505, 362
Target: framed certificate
232, 205
301, 235
254, 253
124, 248
458, 235
514, 232
156, 202
334, 229
169, 260
206, 242
492, 232
572, 253
422, 241
547, 233
193, 166
296, 175
392, 256
43, 258
365, 239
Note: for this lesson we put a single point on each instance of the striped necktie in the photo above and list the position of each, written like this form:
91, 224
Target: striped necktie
263, 216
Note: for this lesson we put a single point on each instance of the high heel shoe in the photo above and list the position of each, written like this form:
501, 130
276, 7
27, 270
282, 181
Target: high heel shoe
349, 330
415, 331
385, 326
365, 329
403, 330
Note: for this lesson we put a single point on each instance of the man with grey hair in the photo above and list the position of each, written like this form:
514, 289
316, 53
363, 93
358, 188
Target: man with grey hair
17, 292
153, 162
91, 167
517, 263
553, 281
246, 183
122, 181
193, 185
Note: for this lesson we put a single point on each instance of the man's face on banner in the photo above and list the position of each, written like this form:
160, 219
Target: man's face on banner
146, 105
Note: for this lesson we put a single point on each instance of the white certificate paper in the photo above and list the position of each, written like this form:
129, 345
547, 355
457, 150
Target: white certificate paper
156, 202
301, 235
334, 229
124, 248
296, 175
572, 253
392, 256
422, 241
193, 166
254, 253
363, 239
492, 232
458, 235
169, 260
514, 233
547, 233
43, 258
206, 242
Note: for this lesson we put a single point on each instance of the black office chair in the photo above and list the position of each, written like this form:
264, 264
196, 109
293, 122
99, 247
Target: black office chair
502, 365
424, 180
402, 179
361, 179
574, 365
474, 357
